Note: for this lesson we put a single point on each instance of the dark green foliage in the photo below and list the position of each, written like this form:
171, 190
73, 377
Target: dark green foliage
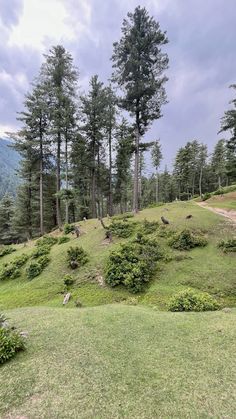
12, 270
122, 229
6, 250
46, 241
68, 280
10, 343
228, 245
7, 233
43, 249
68, 228
149, 227
76, 257
63, 239
133, 264
189, 300
186, 240
36, 267
206, 196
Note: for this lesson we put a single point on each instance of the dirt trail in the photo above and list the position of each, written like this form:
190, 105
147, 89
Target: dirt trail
228, 214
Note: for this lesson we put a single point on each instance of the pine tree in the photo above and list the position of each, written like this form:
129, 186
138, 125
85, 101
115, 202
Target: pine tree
139, 65
156, 160
7, 233
228, 123
218, 161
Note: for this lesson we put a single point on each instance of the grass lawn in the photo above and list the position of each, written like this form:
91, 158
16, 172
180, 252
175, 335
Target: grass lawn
207, 269
227, 201
118, 361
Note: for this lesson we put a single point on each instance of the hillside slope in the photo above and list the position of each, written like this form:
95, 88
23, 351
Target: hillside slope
121, 362
9, 162
207, 269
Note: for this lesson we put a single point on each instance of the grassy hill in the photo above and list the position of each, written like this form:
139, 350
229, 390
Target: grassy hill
117, 361
123, 355
202, 269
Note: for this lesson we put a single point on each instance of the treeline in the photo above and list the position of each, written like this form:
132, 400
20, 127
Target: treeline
80, 156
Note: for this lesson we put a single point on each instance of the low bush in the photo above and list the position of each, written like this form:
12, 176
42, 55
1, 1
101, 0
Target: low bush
10, 343
76, 257
189, 300
46, 241
123, 217
36, 267
68, 228
12, 270
149, 227
228, 245
42, 250
206, 196
186, 240
132, 264
122, 229
68, 280
219, 191
63, 239
6, 250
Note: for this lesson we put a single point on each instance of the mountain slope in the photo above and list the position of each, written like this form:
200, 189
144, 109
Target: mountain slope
9, 162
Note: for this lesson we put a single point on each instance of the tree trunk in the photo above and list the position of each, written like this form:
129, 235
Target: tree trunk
136, 171
58, 180
41, 183
67, 185
93, 186
157, 187
200, 183
219, 182
110, 198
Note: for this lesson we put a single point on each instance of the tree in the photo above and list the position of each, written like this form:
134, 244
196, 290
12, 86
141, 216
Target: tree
218, 161
60, 78
7, 235
139, 64
201, 163
228, 123
156, 160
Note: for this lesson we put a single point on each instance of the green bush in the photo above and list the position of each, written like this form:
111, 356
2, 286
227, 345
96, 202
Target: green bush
206, 196
12, 270
68, 280
189, 300
42, 250
132, 264
76, 257
6, 250
123, 217
36, 267
186, 240
149, 227
122, 229
228, 245
68, 228
10, 343
46, 241
219, 191
63, 239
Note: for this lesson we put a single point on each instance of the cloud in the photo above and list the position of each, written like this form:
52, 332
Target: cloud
201, 51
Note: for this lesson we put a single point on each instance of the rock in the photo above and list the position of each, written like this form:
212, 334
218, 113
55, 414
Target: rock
24, 334
226, 310
66, 298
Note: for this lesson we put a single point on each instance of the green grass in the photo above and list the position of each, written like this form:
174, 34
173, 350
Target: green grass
208, 269
117, 361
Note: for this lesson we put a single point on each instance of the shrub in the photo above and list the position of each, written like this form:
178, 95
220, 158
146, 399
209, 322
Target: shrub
76, 257
36, 267
6, 250
68, 228
63, 239
42, 250
123, 217
219, 191
12, 270
206, 196
10, 343
46, 241
186, 240
228, 245
122, 229
132, 264
189, 300
68, 280
149, 227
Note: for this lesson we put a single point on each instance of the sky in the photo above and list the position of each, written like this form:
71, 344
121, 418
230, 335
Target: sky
201, 50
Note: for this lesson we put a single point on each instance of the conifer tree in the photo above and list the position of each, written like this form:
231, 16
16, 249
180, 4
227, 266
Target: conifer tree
156, 160
7, 233
218, 161
139, 65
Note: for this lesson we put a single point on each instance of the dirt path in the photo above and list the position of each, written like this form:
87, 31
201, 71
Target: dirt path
227, 214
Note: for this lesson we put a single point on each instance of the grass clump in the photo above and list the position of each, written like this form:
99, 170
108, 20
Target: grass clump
6, 250
68, 228
10, 341
189, 300
63, 239
228, 245
76, 257
132, 264
187, 240
36, 267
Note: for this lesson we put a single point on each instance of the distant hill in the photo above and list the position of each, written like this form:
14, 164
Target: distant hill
9, 162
